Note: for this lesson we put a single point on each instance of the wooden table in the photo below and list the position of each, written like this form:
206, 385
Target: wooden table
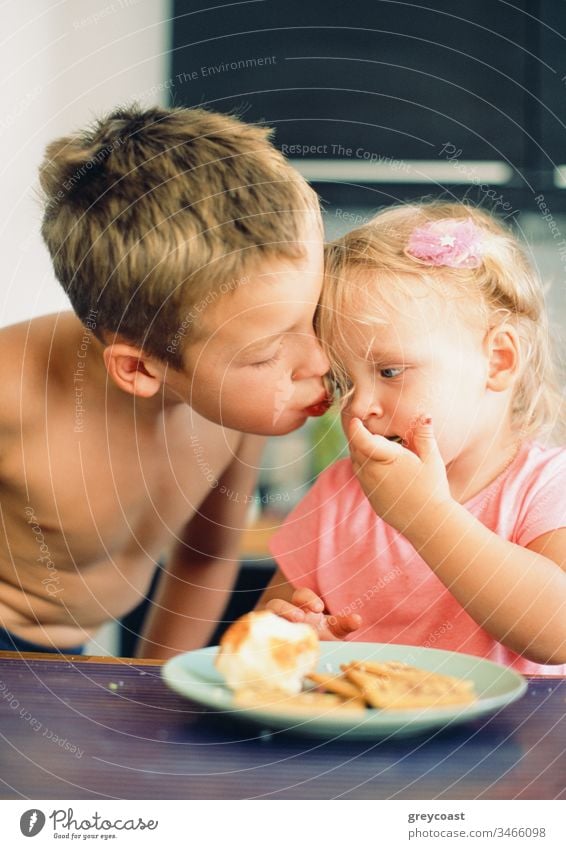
78, 728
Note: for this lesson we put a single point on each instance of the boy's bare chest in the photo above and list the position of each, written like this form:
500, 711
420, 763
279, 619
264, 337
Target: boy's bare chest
110, 489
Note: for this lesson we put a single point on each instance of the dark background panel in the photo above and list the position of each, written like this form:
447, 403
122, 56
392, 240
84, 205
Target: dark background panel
395, 78
552, 40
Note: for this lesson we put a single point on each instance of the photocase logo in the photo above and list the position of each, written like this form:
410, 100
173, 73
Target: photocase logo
31, 822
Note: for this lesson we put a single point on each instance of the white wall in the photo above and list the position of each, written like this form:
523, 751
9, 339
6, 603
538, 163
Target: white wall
62, 62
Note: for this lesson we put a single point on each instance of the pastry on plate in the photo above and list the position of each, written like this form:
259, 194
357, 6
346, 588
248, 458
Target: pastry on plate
262, 651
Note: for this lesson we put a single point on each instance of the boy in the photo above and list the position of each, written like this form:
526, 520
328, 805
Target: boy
192, 256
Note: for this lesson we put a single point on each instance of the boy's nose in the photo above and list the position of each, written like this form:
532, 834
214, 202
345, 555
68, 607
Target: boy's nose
314, 362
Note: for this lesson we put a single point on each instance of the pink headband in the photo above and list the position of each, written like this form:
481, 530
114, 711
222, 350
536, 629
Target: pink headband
454, 242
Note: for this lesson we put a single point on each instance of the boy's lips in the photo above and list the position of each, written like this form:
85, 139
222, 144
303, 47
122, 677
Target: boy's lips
320, 408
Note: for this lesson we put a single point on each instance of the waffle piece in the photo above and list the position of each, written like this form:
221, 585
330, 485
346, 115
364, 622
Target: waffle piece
335, 684
316, 704
405, 691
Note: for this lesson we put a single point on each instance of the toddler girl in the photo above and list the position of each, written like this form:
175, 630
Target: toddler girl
447, 526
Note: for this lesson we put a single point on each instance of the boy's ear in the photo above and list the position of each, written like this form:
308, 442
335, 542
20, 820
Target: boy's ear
504, 357
133, 370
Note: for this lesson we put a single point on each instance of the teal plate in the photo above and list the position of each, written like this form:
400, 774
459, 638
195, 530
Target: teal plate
194, 675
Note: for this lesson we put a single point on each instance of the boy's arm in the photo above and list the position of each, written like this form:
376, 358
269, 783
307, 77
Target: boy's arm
203, 564
279, 587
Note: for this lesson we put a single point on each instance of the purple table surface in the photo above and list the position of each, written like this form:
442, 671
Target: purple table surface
99, 728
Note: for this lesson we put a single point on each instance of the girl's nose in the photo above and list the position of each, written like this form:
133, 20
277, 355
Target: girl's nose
363, 403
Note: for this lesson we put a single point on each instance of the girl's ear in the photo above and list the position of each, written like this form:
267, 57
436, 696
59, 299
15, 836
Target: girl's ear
504, 357
133, 370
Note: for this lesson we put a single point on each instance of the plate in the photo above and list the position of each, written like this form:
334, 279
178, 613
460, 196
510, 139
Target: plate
194, 675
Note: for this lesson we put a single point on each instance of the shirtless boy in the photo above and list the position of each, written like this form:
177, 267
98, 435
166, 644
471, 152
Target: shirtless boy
132, 428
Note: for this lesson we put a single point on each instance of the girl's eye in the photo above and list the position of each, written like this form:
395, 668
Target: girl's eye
390, 373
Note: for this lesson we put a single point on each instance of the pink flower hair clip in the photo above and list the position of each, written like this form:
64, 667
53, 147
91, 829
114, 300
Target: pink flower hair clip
454, 242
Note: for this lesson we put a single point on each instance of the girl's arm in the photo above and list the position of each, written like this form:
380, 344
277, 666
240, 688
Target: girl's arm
517, 594
303, 605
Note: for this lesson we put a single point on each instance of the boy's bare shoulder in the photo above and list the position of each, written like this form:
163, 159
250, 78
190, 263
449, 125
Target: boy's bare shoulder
26, 354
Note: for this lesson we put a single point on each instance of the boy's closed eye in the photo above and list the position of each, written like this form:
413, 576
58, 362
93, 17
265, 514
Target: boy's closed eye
268, 361
265, 355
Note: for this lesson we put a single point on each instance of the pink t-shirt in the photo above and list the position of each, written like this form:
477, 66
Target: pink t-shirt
334, 543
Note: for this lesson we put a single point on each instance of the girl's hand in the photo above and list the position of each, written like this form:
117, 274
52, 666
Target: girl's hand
306, 606
402, 486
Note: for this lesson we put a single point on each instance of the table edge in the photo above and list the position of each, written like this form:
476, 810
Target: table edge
80, 658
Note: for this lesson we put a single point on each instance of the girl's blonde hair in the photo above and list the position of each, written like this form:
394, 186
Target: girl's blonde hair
371, 262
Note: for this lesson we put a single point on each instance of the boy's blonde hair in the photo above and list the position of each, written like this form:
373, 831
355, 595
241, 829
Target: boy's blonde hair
151, 212
369, 266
